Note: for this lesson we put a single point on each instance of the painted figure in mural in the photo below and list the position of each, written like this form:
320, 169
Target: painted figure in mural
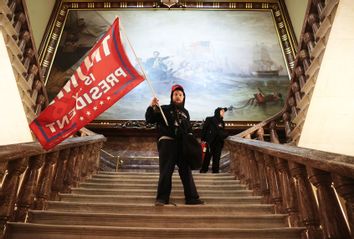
260, 99
214, 134
156, 66
170, 146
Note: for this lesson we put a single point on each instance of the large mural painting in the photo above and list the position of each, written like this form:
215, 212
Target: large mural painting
222, 58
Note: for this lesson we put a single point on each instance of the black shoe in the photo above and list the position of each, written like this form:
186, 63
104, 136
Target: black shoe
202, 171
195, 202
159, 203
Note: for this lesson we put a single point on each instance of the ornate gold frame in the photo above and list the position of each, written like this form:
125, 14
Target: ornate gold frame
286, 36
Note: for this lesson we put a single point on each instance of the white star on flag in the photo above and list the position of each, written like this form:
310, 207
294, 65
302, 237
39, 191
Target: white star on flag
82, 118
88, 113
101, 102
95, 108
108, 98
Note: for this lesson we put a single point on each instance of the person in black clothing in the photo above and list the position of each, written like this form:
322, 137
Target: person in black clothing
170, 146
213, 132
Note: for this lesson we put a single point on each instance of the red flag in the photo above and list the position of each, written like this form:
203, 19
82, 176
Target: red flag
104, 77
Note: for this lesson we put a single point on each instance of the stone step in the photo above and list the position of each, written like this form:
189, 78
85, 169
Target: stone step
141, 168
195, 173
149, 167
151, 199
181, 209
175, 176
41, 231
157, 221
177, 185
155, 181
152, 192
249, 209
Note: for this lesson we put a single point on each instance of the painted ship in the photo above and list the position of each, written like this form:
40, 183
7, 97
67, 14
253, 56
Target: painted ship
263, 65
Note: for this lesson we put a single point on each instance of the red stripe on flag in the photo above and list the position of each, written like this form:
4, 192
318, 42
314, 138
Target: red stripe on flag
104, 77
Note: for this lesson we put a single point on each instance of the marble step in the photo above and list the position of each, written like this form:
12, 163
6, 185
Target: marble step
157, 221
42, 231
155, 181
176, 185
152, 192
175, 176
151, 199
140, 169
180, 209
195, 173
149, 167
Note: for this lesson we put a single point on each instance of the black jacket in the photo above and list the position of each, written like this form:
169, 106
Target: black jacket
154, 116
213, 130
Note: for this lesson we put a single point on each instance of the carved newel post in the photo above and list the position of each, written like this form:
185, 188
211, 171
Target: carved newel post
264, 184
69, 173
9, 189
28, 187
345, 188
45, 180
58, 182
307, 203
331, 216
290, 202
274, 184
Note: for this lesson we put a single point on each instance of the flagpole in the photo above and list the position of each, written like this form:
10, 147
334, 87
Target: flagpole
143, 71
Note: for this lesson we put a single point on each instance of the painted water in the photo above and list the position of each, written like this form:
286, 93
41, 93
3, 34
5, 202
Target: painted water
205, 94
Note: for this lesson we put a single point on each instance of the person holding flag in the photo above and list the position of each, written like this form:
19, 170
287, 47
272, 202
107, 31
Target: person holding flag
104, 76
171, 119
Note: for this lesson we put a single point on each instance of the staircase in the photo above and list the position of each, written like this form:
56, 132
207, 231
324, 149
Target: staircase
121, 205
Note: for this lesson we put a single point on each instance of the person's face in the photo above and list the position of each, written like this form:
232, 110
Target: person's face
222, 112
177, 97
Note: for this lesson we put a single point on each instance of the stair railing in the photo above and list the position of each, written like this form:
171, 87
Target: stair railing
14, 23
284, 176
29, 175
109, 163
315, 32
33, 176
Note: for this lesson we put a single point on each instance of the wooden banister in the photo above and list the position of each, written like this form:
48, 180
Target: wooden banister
47, 173
290, 173
14, 22
14, 151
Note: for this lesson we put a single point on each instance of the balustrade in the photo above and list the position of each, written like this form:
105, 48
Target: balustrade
22, 54
44, 173
313, 21
289, 177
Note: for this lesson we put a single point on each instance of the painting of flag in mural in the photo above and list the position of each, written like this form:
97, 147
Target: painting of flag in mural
233, 59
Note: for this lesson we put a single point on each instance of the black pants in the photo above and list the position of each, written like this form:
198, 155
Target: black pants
169, 156
214, 150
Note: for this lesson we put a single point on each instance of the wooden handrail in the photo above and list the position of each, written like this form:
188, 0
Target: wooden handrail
262, 124
86, 132
15, 151
285, 176
23, 56
326, 161
44, 174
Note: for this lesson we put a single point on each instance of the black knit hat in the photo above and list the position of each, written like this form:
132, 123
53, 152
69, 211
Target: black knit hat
178, 87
